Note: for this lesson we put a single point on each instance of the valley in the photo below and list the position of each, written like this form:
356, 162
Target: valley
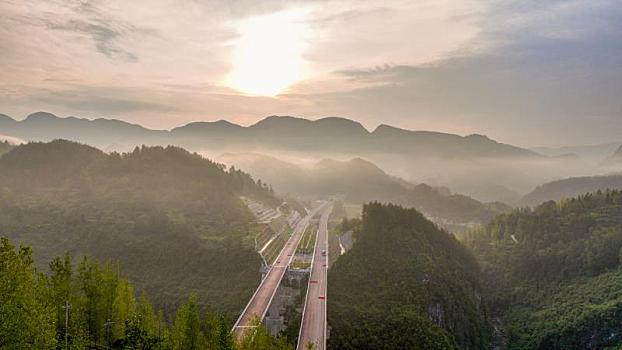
310, 175
244, 241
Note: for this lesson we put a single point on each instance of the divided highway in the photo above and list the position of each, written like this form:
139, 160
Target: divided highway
313, 327
261, 300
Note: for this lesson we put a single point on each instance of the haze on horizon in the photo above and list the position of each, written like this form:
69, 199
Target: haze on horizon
523, 72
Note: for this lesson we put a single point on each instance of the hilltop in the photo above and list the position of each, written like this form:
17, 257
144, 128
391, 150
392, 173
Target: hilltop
405, 284
554, 274
172, 219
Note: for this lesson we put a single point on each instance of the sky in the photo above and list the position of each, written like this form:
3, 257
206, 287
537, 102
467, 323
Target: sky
526, 72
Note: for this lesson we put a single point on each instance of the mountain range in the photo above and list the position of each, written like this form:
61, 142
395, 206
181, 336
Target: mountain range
279, 132
473, 164
358, 181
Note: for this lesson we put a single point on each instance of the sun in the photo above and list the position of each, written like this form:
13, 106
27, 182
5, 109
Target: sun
268, 54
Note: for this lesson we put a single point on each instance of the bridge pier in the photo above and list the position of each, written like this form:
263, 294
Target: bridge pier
288, 295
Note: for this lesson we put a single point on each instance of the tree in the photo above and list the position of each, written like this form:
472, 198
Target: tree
258, 338
104, 311
27, 320
223, 338
187, 331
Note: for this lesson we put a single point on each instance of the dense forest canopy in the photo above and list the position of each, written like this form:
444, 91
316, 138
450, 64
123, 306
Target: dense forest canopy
554, 272
580, 236
172, 219
404, 285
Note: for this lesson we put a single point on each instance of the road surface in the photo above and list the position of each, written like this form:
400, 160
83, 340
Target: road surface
261, 300
313, 327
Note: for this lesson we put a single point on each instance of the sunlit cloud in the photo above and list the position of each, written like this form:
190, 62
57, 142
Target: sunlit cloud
268, 53
514, 70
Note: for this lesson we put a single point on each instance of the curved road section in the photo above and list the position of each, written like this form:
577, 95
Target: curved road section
261, 300
313, 327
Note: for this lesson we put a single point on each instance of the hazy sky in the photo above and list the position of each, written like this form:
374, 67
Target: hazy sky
524, 72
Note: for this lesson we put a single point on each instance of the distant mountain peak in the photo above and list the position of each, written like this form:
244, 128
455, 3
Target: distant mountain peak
41, 116
387, 128
384, 129
280, 119
4, 117
478, 137
342, 123
217, 123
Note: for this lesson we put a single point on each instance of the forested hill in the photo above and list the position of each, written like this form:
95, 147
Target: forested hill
65, 163
571, 187
448, 206
555, 272
405, 285
357, 181
172, 219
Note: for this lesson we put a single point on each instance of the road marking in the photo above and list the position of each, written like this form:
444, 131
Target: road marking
302, 225
311, 325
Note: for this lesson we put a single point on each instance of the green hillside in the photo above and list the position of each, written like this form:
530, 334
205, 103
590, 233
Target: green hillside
405, 285
554, 272
172, 219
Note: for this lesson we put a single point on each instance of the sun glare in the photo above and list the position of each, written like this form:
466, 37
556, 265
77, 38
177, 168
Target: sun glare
268, 53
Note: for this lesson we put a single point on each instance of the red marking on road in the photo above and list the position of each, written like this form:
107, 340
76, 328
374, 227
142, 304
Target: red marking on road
312, 281
322, 297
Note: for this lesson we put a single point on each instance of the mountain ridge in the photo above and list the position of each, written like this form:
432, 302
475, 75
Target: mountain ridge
571, 187
327, 133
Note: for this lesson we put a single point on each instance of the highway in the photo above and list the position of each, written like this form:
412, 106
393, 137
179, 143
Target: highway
261, 300
313, 327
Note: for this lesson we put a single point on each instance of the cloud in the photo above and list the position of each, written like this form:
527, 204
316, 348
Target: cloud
104, 37
526, 72
91, 100
536, 73
11, 139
